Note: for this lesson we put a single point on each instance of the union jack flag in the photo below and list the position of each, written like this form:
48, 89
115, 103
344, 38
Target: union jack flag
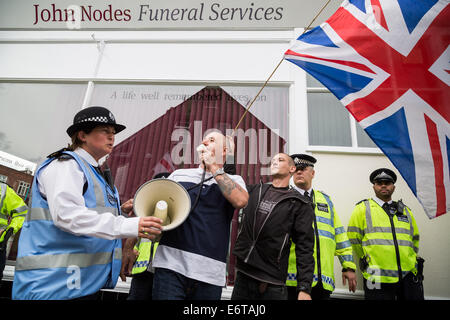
388, 62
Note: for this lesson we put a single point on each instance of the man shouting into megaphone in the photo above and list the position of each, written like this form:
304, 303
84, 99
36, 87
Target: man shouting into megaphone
190, 262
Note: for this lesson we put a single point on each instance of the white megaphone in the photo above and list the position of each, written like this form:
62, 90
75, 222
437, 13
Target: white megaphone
165, 199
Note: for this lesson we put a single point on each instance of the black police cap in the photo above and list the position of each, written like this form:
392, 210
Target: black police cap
91, 117
383, 174
302, 160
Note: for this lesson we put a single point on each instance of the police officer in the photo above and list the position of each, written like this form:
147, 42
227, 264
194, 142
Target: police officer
385, 237
12, 214
70, 244
330, 236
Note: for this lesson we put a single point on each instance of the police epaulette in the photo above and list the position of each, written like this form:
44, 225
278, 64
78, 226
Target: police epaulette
360, 201
60, 155
402, 206
324, 193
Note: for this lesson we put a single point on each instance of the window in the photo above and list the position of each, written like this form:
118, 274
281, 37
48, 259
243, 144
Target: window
3, 178
22, 189
329, 123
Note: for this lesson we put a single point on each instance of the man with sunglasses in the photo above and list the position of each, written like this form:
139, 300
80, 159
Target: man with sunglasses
70, 244
330, 236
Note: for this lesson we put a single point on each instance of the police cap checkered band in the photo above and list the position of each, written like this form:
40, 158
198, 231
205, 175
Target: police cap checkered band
95, 119
91, 117
303, 160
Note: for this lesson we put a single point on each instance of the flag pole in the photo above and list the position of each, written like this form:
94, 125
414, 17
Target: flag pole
278, 65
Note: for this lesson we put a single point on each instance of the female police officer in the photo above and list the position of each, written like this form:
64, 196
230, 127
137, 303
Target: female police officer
70, 244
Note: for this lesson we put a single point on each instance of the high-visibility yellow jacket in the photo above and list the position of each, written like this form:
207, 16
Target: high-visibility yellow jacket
333, 241
387, 243
13, 210
143, 260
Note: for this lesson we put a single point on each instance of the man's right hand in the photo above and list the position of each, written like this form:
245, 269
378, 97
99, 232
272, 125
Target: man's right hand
129, 256
149, 227
303, 296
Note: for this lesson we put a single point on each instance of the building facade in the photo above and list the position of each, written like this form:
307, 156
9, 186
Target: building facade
170, 78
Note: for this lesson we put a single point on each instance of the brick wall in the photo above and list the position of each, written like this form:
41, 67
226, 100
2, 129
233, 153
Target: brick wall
14, 177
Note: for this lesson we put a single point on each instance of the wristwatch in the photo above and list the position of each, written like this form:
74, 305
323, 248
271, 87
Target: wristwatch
218, 171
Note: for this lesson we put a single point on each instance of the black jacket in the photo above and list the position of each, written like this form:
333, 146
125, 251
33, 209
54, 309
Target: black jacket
267, 249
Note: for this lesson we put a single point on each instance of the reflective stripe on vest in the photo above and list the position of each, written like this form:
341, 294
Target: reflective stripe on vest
332, 238
12, 210
380, 251
3, 218
371, 229
44, 214
143, 260
81, 260
3, 188
54, 264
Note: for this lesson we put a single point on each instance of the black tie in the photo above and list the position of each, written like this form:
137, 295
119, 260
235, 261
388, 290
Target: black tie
307, 195
386, 208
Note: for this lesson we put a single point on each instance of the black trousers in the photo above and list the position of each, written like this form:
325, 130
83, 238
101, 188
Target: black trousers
248, 288
141, 286
2, 261
410, 288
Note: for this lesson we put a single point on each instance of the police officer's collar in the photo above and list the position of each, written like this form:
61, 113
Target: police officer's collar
87, 156
302, 192
380, 202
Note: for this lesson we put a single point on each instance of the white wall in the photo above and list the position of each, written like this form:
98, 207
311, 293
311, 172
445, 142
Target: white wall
157, 56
